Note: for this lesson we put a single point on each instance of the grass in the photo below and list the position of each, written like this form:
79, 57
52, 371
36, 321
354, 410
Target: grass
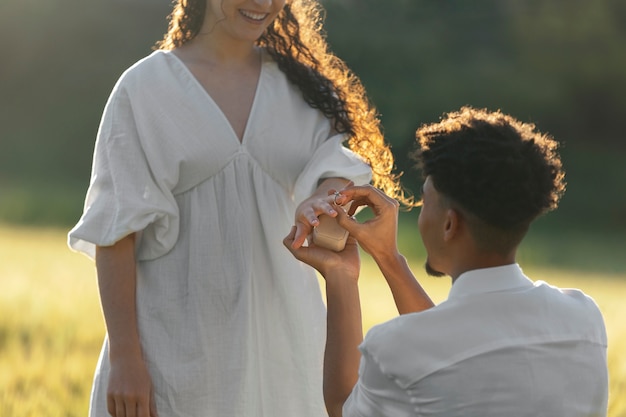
51, 327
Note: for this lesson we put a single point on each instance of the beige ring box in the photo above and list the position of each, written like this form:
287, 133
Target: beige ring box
328, 234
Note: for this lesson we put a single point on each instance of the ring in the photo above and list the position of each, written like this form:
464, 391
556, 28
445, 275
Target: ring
336, 194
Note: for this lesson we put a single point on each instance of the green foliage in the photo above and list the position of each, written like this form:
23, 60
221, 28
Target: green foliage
40, 203
64, 61
557, 63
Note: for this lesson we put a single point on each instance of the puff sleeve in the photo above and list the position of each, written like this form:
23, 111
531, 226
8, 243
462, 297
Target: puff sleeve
125, 194
331, 159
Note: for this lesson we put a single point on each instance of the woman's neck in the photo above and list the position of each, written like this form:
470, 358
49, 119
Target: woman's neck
207, 50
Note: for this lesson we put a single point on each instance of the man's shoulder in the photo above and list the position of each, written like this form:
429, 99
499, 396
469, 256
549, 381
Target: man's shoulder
410, 344
571, 300
571, 308
574, 295
406, 324
413, 346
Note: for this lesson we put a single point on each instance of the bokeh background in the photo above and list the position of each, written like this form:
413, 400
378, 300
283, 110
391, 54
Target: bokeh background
560, 64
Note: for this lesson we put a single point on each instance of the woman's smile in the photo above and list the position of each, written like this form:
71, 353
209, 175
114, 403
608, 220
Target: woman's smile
256, 17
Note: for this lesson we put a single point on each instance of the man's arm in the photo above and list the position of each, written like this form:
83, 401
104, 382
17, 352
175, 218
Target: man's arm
344, 335
408, 294
378, 237
344, 328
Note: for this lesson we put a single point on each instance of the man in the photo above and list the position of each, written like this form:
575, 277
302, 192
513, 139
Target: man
500, 345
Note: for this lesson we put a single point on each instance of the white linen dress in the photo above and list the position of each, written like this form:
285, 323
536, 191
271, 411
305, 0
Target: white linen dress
231, 324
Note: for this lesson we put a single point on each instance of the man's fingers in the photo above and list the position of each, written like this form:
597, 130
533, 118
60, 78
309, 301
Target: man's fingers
294, 245
290, 237
289, 240
364, 195
367, 196
299, 252
349, 223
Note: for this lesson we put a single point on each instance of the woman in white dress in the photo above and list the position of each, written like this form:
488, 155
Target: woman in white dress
209, 149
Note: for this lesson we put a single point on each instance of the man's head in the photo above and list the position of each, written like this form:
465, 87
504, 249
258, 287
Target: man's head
494, 172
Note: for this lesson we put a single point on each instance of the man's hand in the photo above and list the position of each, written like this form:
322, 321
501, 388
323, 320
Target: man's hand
332, 265
344, 326
377, 236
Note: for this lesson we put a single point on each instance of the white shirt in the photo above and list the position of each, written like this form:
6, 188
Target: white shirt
499, 346
231, 323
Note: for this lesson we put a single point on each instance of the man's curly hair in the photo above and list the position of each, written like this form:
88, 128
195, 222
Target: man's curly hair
492, 166
297, 43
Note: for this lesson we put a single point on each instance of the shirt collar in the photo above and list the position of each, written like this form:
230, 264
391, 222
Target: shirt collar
479, 281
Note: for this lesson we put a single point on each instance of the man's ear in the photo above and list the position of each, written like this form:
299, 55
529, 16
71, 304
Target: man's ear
451, 224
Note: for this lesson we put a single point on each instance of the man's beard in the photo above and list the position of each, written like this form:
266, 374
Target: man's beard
431, 271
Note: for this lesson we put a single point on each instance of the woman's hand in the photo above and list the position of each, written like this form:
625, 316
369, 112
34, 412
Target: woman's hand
307, 216
321, 202
130, 391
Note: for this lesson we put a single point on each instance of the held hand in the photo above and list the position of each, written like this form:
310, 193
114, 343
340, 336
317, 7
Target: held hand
332, 265
377, 236
321, 202
130, 390
307, 216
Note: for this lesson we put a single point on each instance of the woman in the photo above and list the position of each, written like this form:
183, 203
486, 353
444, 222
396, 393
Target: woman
206, 149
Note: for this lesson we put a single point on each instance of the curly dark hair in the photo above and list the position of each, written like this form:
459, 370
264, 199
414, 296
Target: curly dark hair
296, 41
493, 167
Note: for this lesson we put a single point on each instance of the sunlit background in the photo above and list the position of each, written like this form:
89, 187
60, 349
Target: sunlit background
560, 64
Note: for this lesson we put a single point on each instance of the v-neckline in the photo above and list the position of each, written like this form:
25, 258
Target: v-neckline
240, 141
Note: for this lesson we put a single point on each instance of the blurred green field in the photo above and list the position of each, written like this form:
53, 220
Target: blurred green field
51, 326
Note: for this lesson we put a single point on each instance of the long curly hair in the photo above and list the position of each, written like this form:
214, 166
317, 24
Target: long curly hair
501, 171
296, 41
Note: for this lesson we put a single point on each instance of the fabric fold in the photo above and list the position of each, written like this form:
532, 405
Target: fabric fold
330, 160
115, 205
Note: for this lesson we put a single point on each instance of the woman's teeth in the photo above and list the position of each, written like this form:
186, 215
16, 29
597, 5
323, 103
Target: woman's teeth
253, 16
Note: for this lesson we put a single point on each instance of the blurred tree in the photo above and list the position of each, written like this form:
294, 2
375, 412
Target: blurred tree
577, 50
62, 61
558, 63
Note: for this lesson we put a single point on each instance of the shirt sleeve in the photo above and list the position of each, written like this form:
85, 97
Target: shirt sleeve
375, 394
125, 194
331, 160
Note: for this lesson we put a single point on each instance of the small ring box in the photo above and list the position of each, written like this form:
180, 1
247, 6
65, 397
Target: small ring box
328, 234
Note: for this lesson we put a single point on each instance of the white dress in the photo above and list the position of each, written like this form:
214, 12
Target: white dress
230, 323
